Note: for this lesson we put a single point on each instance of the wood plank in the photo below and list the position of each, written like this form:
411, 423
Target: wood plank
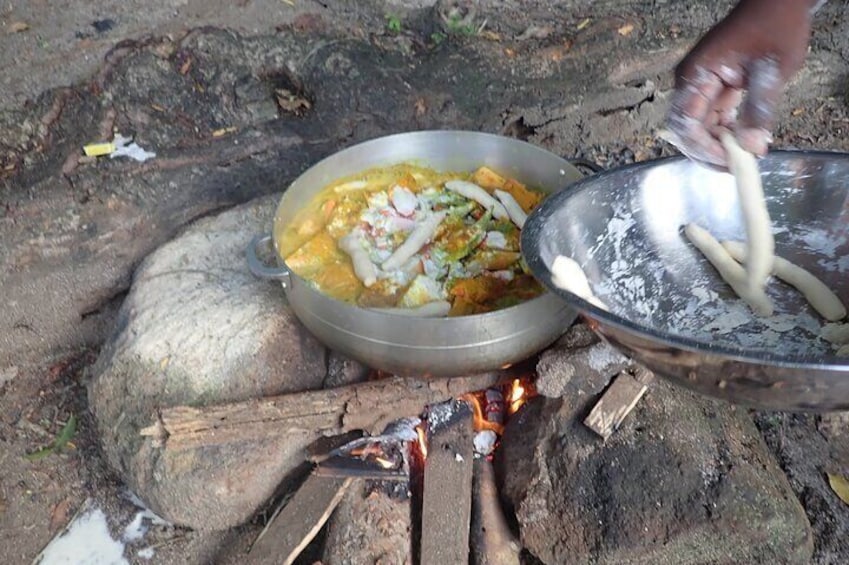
615, 404
368, 406
447, 496
296, 524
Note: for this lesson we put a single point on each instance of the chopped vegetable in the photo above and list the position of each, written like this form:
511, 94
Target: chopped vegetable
479, 195
338, 281
517, 215
382, 294
527, 199
421, 291
352, 244
490, 180
415, 241
455, 244
494, 259
311, 257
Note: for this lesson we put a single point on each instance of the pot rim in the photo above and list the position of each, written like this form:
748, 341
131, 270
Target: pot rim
547, 296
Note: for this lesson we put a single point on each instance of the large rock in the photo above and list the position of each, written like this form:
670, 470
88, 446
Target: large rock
684, 480
578, 353
198, 328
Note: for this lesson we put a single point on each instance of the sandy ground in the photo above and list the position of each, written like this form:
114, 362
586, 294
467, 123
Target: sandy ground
47, 44
65, 39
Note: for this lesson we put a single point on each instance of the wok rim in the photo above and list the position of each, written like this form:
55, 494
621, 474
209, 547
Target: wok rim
531, 252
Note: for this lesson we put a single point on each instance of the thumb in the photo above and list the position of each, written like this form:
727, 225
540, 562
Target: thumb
765, 86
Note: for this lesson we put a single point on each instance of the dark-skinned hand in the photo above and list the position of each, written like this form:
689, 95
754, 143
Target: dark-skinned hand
757, 48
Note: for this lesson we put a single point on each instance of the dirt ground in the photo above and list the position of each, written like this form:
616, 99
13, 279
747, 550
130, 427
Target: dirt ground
44, 45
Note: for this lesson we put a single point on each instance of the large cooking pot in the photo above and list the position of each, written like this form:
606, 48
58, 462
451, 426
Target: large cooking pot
425, 346
669, 309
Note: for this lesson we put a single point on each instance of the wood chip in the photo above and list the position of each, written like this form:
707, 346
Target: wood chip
18, 27
297, 524
616, 403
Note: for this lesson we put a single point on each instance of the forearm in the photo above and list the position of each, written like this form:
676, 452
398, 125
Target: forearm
813, 5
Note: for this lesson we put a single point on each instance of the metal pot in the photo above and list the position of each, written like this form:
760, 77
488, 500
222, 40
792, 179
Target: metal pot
425, 346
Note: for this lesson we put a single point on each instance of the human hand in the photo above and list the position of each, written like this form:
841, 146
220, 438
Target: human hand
758, 47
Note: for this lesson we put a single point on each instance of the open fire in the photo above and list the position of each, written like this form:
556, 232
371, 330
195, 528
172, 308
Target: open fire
465, 432
439, 461
425, 445
389, 450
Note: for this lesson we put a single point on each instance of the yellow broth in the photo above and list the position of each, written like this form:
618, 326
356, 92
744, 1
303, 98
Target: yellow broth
458, 264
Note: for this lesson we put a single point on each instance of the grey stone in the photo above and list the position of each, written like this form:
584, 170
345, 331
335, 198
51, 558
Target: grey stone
685, 480
197, 328
579, 353
342, 370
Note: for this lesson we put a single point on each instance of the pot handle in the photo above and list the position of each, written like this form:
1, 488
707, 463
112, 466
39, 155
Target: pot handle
585, 163
260, 269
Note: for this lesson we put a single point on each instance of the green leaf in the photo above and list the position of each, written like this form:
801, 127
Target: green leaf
40, 454
65, 436
393, 23
67, 433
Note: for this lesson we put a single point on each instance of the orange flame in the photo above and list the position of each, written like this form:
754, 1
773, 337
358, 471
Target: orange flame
480, 421
518, 395
385, 463
422, 441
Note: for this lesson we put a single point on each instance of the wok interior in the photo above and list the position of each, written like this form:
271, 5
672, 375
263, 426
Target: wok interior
624, 228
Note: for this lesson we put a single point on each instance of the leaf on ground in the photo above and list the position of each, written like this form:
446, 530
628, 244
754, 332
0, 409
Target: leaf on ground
40, 454
292, 102
63, 439
840, 486
60, 514
18, 27
67, 433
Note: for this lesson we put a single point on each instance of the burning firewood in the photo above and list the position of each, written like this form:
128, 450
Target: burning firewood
368, 406
446, 504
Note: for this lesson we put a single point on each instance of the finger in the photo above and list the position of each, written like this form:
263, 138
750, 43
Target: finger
691, 112
765, 87
696, 89
695, 141
727, 105
754, 140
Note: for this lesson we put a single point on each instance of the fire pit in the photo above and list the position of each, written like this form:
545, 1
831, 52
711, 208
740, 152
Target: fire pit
212, 400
